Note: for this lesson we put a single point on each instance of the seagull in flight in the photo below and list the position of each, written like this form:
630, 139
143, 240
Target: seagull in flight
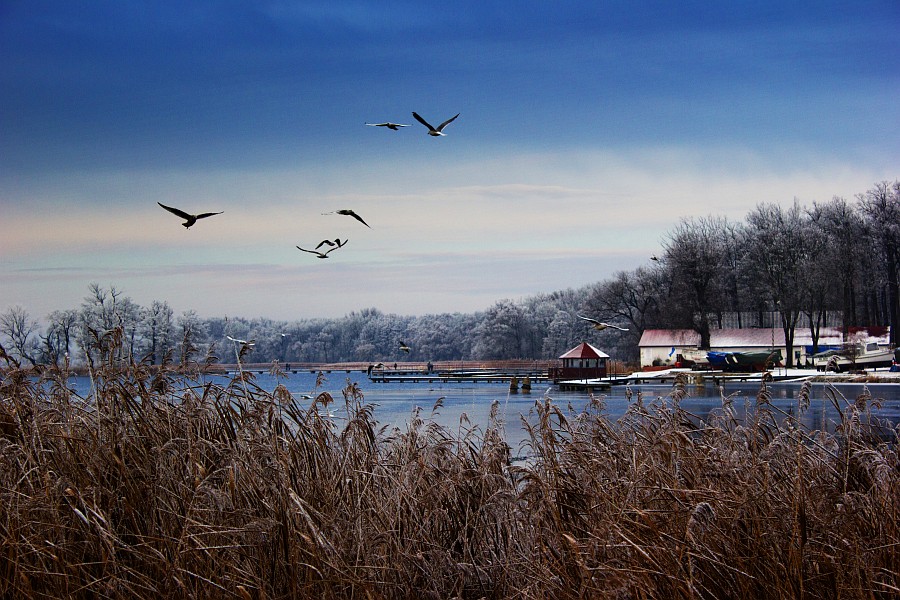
431, 130
337, 243
600, 326
188, 219
389, 125
349, 213
244, 342
404, 347
320, 254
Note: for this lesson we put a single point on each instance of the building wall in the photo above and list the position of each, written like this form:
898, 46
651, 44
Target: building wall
650, 355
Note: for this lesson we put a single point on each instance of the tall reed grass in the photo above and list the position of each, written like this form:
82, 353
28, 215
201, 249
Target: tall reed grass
160, 486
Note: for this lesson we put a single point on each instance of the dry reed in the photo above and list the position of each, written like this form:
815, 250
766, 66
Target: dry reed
160, 486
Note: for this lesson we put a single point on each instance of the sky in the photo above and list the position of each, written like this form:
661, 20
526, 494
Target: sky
587, 129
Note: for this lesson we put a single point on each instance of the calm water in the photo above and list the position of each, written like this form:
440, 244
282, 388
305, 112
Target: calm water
395, 402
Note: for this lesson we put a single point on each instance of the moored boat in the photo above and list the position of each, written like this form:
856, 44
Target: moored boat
759, 360
856, 357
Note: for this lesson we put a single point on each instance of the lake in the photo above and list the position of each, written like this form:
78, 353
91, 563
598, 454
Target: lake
395, 402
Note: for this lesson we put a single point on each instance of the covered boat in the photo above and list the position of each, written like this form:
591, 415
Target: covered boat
760, 360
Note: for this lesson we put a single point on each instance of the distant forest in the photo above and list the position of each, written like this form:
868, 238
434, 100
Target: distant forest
796, 266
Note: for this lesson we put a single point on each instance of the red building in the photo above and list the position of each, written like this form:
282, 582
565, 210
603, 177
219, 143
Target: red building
581, 362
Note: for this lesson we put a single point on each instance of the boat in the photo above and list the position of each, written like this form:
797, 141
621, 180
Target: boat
851, 357
758, 360
717, 360
751, 360
694, 358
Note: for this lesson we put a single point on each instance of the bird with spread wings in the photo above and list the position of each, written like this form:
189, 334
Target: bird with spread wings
434, 131
600, 325
189, 219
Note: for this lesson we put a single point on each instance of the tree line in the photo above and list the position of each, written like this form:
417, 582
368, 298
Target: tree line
833, 263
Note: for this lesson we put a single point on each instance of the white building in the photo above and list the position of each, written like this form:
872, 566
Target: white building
667, 346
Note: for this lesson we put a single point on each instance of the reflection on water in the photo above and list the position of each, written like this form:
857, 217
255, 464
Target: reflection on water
395, 402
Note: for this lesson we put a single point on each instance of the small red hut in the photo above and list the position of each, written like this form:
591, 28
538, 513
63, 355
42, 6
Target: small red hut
581, 362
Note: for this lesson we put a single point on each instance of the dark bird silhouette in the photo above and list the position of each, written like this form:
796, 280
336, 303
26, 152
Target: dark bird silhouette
600, 326
188, 218
349, 213
654, 258
319, 254
404, 347
337, 243
432, 130
389, 125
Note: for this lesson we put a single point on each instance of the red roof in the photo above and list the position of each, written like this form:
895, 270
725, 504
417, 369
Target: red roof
584, 350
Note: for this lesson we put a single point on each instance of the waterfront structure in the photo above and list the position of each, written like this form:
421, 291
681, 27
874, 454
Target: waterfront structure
581, 362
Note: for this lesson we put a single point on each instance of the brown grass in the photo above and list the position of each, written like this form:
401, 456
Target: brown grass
158, 486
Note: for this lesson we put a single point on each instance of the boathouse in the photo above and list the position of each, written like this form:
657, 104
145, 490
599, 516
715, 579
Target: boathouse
581, 362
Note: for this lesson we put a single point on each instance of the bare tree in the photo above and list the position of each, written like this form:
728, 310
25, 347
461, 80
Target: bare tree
776, 254
881, 207
694, 261
18, 328
57, 342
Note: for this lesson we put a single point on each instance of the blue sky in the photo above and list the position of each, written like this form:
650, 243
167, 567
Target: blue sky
587, 130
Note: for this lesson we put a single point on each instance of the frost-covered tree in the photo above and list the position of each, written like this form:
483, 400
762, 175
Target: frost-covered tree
694, 259
500, 333
157, 325
881, 208
777, 256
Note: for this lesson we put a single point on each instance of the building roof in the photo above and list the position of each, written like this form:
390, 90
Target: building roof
585, 350
762, 337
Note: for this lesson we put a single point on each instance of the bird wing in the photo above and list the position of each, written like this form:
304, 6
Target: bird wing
204, 215
357, 217
619, 328
447, 122
323, 242
590, 320
423, 121
175, 211
310, 251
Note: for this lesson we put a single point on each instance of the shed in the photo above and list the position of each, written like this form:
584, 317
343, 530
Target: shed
581, 362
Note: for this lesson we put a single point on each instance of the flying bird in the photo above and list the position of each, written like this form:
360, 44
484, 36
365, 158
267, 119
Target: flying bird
244, 342
389, 125
349, 213
319, 254
404, 347
188, 219
337, 243
431, 130
600, 326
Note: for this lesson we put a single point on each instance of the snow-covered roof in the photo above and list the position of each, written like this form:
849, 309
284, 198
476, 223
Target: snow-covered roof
730, 338
585, 350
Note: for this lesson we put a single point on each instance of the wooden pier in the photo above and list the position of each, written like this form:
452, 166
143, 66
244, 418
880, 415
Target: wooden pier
455, 377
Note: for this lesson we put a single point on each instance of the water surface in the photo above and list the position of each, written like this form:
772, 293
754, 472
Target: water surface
395, 402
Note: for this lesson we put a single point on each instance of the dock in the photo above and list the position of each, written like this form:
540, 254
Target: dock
477, 376
669, 376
